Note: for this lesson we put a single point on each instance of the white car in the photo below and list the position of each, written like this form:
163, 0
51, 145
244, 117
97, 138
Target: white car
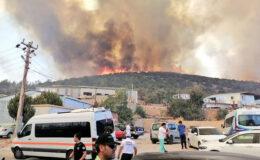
246, 142
6, 130
201, 135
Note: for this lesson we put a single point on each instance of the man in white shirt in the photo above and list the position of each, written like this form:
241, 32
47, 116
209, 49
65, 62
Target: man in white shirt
128, 130
161, 136
128, 146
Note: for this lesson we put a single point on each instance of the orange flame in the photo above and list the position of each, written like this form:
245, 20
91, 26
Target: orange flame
107, 70
176, 69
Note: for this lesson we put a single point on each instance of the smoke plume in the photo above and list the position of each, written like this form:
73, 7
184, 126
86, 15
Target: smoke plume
212, 38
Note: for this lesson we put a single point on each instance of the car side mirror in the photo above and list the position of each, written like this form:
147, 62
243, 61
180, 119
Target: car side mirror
230, 142
222, 125
18, 134
195, 133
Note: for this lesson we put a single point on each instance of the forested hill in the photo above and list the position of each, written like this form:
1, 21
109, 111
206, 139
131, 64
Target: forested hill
147, 82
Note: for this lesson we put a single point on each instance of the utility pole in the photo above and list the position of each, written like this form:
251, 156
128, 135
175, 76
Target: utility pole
29, 49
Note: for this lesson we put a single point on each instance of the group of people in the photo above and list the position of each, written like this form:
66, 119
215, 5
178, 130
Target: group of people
163, 133
106, 146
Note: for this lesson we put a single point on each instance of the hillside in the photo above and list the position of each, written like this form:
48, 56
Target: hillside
150, 81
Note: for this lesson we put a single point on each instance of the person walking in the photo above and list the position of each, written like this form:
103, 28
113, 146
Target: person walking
79, 151
161, 136
106, 147
182, 129
128, 130
128, 149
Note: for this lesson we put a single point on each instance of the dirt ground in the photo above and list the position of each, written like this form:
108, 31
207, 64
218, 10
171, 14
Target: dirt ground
143, 145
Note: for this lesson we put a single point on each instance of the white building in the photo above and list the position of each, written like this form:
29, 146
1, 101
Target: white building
88, 91
181, 96
239, 99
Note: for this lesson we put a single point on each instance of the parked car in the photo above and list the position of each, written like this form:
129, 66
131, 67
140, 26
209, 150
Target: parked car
172, 137
192, 155
120, 134
139, 130
201, 135
247, 142
6, 130
135, 131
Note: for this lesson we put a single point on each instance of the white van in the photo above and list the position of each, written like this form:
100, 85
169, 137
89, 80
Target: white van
242, 120
172, 137
51, 135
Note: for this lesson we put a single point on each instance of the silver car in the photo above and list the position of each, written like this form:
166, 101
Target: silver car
6, 130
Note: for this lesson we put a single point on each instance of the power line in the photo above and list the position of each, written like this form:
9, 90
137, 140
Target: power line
44, 75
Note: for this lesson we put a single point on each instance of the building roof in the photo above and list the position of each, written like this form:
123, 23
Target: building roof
245, 93
52, 105
71, 86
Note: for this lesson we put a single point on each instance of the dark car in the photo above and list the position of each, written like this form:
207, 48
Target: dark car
193, 155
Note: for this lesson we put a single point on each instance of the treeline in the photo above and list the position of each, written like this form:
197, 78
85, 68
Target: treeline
8, 87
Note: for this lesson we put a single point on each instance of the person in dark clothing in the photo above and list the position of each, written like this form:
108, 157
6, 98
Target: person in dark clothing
182, 129
79, 151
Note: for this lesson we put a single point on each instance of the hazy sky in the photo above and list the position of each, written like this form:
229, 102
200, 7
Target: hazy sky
85, 37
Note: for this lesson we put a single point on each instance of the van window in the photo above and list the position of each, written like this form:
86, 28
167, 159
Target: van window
249, 120
26, 131
245, 138
228, 122
105, 126
67, 129
156, 127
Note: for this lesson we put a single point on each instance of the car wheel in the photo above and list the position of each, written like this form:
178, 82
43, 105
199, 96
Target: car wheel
18, 153
189, 144
68, 154
154, 141
135, 136
170, 140
9, 135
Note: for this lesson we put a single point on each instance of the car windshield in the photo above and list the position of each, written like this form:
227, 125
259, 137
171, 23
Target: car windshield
228, 137
209, 131
249, 120
156, 126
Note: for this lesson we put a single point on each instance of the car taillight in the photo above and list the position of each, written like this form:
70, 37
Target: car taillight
4, 129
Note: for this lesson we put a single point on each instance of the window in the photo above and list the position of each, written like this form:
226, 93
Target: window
209, 131
26, 131
105, 126
67, 129
194, 130
249, 120
156, 127
87, 93
228, 122
245, 138
99, 94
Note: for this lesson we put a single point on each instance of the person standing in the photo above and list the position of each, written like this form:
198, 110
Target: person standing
128, 130
79, 151
182, 129
106, 147
128, 146
161, 136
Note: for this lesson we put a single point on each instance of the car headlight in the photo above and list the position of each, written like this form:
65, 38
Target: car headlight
204, 140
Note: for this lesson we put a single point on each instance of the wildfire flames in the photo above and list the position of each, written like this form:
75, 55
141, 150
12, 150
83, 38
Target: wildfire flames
107, 70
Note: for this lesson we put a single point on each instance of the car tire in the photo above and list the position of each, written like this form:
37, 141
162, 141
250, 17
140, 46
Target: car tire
189, 144
171, 140
9, 135
68, 154
154, 141
18, 153
135, 136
